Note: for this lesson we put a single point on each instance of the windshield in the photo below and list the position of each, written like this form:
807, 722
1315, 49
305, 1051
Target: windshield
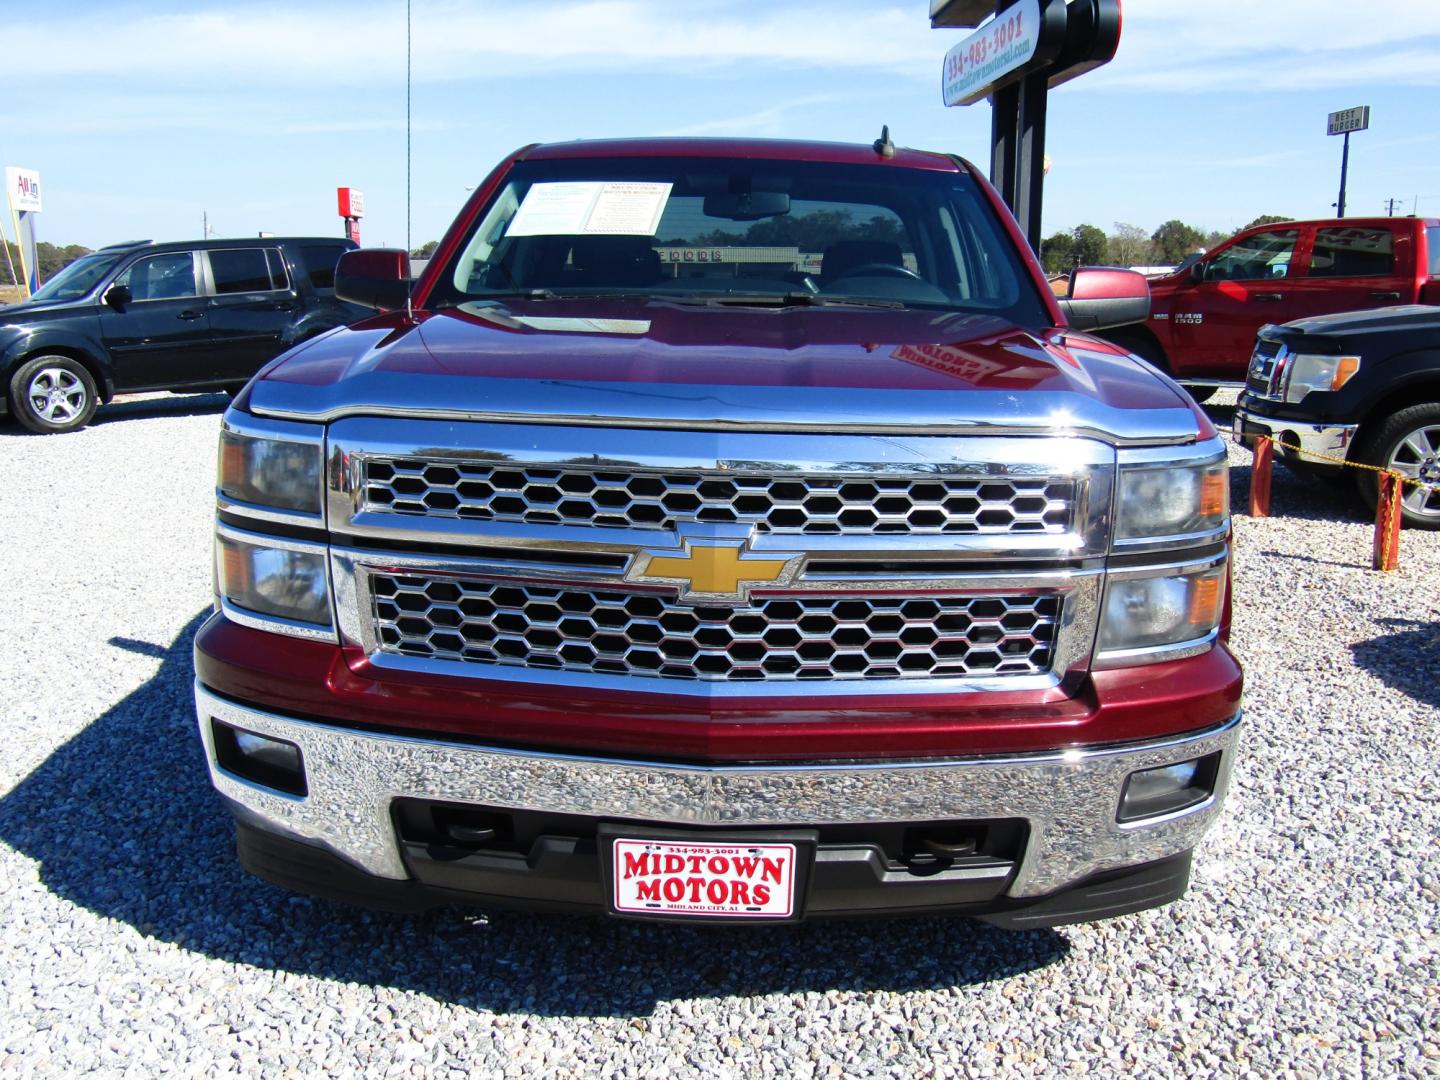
77, 279
742, 231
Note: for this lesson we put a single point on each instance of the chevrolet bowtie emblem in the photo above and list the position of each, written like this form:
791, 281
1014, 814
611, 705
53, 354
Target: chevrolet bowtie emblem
718, 569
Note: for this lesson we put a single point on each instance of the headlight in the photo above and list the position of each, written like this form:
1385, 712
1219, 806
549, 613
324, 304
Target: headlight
1172, 500
1306, 372
277, 578
1163, 608
275, 473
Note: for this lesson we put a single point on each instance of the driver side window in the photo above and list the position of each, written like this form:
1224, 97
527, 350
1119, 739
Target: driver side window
160, 277
1256, 258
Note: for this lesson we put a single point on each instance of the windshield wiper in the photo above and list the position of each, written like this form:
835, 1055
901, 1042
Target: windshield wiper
520, 294
785, 299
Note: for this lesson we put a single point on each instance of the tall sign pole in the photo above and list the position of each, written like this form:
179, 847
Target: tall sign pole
22, 193
1014, 59
1343, 123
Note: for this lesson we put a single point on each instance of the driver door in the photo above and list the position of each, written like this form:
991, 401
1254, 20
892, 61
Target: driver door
1244, 286
160, 338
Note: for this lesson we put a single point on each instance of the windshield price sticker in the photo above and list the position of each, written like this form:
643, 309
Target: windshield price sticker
591, 207
1005, 43
662, 877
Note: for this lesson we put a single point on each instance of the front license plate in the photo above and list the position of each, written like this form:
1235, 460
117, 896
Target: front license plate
719, 880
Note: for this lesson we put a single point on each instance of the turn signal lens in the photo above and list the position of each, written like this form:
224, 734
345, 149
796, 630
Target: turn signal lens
1165, 608
1172, 500
274, 473
281, 582
1345, 367
1309, 371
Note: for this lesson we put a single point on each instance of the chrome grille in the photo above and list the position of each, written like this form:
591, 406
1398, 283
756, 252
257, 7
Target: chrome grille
1267, 363
616, 632
795, 504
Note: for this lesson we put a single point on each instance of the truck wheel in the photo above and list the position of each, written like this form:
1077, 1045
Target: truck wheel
53, 393
1408, 442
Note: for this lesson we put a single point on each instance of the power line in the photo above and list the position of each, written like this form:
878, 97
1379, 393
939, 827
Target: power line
408, 247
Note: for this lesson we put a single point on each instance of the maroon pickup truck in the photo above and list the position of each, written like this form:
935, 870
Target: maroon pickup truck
1204, 317
727, 531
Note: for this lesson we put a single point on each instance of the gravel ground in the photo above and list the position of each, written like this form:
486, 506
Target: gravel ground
131, 943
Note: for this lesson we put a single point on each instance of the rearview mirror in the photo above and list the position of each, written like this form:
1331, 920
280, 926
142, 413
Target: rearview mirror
117, 296
746, 205
375, 278
1101, 297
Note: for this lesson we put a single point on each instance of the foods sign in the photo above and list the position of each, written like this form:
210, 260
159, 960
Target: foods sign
1007, 42
22, 187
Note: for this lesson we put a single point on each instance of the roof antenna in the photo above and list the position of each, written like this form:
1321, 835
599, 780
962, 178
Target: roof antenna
883, 146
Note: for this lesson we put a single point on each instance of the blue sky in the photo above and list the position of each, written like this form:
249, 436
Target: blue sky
141, 118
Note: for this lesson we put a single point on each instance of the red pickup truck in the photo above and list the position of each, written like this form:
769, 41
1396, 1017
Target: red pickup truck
730, 531
1204, 317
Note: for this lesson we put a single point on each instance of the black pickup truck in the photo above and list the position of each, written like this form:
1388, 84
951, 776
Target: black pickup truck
1362, 386
183, 315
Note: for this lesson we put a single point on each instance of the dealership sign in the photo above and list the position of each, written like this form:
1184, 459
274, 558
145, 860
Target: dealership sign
999, 48
1348, 120
22, 186
351, 202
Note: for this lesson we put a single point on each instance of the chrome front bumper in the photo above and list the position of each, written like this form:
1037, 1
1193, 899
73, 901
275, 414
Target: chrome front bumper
1069, 798
1324, 440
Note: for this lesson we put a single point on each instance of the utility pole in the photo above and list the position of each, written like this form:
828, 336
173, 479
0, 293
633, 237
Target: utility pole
1390, 207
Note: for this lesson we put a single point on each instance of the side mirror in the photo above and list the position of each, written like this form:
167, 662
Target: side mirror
1197, 271
1101, 297
118, 296
375, 278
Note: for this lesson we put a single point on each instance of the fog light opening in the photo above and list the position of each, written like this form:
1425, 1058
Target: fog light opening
272, 763
1168, 789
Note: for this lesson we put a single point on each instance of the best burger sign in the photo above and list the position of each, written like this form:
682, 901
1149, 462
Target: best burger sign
740, 880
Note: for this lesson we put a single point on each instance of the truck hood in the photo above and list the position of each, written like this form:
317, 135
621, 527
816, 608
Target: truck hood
1380, 320
658, 363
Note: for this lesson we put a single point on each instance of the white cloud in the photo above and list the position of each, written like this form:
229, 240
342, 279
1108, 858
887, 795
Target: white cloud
361, 43
770, 121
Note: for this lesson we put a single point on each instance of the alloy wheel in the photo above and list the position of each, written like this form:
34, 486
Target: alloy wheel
56, 395
1416, 456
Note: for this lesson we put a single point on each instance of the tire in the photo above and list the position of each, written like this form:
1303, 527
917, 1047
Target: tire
50, 394
1409, 442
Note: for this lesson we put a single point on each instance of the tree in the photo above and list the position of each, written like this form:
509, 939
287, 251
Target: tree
1174, 240
425, 250
1264, 219
51, 257
1089, 246
1129, 245
1057, 253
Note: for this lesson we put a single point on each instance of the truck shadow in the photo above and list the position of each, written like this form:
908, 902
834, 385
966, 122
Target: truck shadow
1405, 660
123, 408
122, 821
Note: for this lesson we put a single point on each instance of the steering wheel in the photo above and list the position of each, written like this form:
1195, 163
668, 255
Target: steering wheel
882, 268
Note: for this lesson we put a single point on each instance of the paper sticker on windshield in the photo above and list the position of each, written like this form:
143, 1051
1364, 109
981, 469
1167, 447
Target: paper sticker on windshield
594, 207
